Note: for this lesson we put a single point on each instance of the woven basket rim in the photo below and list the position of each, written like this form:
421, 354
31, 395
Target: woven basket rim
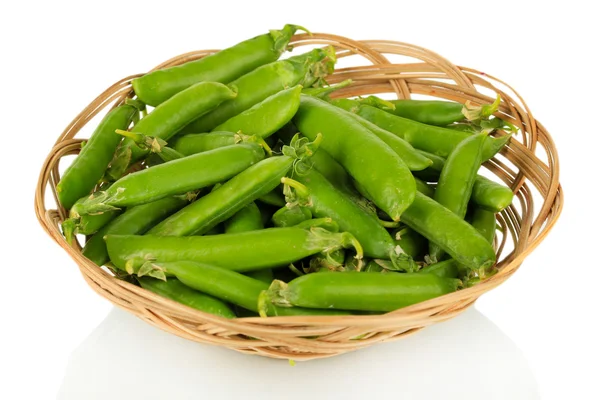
284, 337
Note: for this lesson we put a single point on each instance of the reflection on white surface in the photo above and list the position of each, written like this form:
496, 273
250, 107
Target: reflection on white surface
465, 358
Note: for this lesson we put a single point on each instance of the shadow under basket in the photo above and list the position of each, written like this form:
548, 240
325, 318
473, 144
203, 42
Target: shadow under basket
524, 225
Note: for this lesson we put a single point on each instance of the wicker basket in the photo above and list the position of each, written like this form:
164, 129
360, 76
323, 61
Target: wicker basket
303, 338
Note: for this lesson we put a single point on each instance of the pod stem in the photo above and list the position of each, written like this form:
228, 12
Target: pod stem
97, 203
241, 138
69, 228
388, 224
281, 37
296, 194
324, 92
402, 261
474, 113
349, 241
274, 295
152, 269
301, 149
377, 102
150, 143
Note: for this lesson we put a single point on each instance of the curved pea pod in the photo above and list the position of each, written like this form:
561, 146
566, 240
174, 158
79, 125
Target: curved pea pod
232, 196
222, 66
430, 112
200, 142
134, 221
230, 286
433, 139
454, 235
247, 251
291, 216
411, 157
88, 168
445, 269
388, 181
490, 195
324, 200
257, 85
455, 185
486, 193
485, 223
174, 290
265, 118
424, 188
359, 291
174, 114
174, 177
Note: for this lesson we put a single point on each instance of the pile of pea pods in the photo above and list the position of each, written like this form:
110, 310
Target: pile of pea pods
235, 185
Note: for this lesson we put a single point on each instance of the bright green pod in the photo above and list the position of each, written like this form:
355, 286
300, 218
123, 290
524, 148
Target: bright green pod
200, 142
453, 234
485, 223
223, 66
411, 157
175, 177
359, 291
455, 185
231, 287
387, 180
268, 116
291, 216
257, 85
246, 251
87, 169
174, 290
245, 220
134, 221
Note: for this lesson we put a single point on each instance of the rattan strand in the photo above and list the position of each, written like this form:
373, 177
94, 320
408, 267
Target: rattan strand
293, 337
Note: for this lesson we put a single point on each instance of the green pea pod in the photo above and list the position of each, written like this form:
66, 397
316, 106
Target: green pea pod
265, 118
445, 269
487, 194
430, 112
175, 177
245, 220
433, 139
435, 112
490, 195
358, 291
247, 251
174, 290
134, 221
86, 224
485, 223
201, 142
413, 159
324, 200
387, 179
223, 66
291, 216
454, 235
231, 287
455, 186
171, 116
232, 196
88, 168
255, 86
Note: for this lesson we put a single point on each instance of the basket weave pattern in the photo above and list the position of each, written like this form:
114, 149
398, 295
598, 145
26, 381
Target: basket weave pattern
294, 337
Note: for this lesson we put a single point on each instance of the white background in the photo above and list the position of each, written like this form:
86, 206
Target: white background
56, 57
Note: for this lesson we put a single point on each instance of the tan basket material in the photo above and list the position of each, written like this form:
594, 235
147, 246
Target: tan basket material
427, 73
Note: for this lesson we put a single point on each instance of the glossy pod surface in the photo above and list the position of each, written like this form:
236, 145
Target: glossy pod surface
387, 179
223, 66
366, 292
